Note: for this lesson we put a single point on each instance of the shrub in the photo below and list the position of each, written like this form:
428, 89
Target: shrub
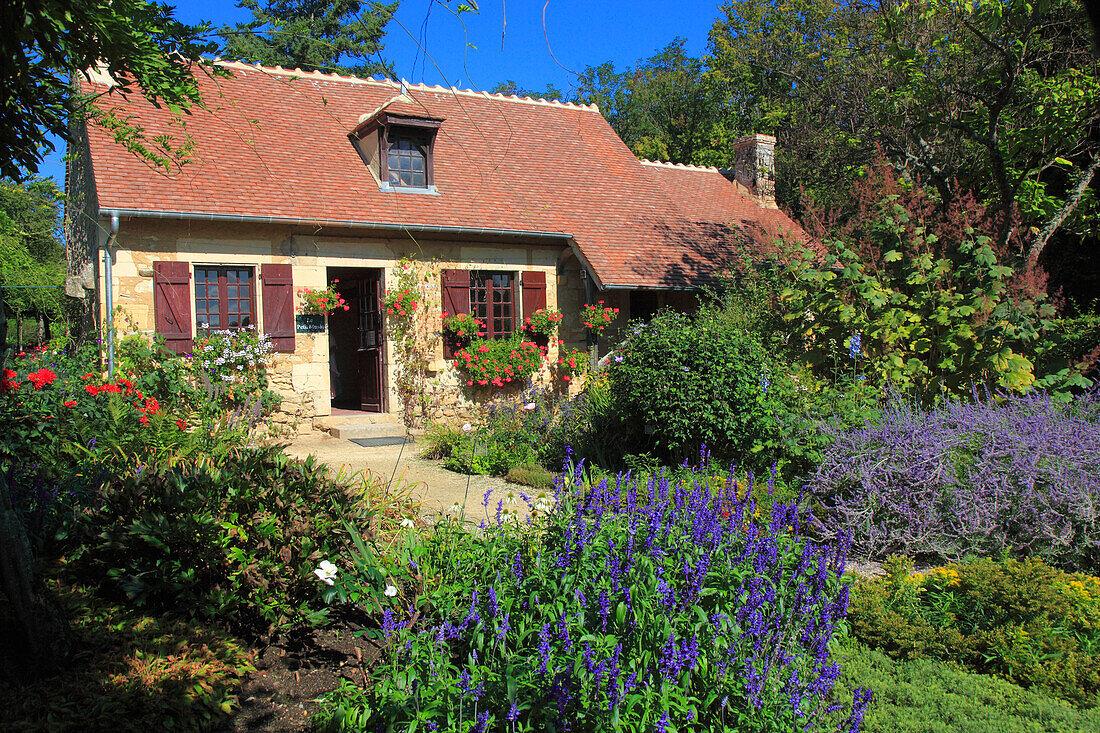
440, 440
1003, 474
156, 372
926, 696
920, 296
683, 382
230, 538
646, 606
1027, 622
532, 475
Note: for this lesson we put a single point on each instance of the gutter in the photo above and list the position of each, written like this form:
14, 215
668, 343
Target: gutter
383, 226
109, 292
291, 220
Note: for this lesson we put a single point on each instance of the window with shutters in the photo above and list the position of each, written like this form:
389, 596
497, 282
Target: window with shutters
225, 297
493, 301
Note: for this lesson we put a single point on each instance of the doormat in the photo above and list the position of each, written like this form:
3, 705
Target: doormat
379, 442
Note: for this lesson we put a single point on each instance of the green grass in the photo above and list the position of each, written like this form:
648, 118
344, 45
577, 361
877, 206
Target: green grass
925, 696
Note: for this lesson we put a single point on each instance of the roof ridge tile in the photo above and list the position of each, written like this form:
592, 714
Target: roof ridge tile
680, 166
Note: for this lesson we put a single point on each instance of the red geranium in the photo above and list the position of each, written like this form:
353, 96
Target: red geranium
41, 378
10, 382
69, 403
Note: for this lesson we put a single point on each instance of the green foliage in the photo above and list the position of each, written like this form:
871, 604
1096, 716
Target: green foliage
155, 371
231, 366
1004, 95
571, 619
411, 337
532, 475
919, 298
684, 382
234, 536
1023, 621
804, 71
141, 45
498, 362
135, 671
440, 440
663, 108
79, 423
32, 257
926, 696
312, 36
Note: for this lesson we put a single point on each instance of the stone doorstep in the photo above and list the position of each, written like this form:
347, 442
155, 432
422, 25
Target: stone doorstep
366, 425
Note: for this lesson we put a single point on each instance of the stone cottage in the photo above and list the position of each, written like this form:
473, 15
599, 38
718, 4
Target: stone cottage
296, 179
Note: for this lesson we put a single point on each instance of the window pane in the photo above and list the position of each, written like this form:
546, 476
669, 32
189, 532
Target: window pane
200, 275
231, 291
243, 291
212, 290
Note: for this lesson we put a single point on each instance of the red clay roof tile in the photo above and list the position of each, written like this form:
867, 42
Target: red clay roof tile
273, 143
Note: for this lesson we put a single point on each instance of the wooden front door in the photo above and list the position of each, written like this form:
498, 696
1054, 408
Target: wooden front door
368, 296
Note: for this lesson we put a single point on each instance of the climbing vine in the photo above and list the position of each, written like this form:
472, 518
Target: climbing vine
411, 337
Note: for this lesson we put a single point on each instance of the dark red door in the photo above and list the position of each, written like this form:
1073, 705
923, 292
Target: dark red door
369, 308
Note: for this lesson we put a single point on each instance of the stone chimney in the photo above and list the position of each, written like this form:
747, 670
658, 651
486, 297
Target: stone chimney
754, 166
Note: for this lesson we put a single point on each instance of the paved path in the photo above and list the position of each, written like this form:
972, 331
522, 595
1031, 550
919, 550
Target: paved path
434, 485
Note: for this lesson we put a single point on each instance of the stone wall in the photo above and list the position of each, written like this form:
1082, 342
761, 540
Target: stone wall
302, 378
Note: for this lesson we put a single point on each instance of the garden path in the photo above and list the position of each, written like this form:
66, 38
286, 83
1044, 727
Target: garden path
436, 487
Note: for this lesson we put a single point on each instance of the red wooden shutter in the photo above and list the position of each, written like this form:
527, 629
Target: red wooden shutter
456, 299
534, 291
172, 304
278, 306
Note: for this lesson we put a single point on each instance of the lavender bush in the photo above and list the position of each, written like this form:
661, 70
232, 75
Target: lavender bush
1016, 475
659, 606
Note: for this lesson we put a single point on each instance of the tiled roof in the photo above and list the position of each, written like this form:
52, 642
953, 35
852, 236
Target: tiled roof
273, 143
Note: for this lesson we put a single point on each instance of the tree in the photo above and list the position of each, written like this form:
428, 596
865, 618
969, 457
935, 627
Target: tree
1004, 96
804, 71
32, 256
663, 109
138, 43
312, 35
511, 88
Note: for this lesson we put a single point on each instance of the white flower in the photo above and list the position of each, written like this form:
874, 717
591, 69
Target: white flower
390, 591
326, 571
530, 406
467, 427
456, 508
406, 522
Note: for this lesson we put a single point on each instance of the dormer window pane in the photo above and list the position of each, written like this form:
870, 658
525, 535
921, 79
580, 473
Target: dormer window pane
406, 162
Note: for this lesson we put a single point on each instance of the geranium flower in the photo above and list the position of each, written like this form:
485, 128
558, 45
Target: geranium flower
41, 378
69, 403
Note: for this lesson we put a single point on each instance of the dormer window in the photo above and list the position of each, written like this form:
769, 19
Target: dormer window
407, 159
398, 150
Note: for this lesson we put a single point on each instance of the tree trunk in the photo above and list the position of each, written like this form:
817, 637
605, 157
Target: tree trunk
44, 628
1063, 213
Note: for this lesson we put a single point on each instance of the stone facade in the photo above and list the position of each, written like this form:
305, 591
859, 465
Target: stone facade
302, 377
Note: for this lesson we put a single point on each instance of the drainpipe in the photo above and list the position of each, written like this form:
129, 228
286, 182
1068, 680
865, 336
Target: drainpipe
110, 291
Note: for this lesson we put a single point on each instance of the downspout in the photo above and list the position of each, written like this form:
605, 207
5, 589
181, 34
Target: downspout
109, 294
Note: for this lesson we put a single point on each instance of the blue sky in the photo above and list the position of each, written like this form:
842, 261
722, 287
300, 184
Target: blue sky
429, 43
